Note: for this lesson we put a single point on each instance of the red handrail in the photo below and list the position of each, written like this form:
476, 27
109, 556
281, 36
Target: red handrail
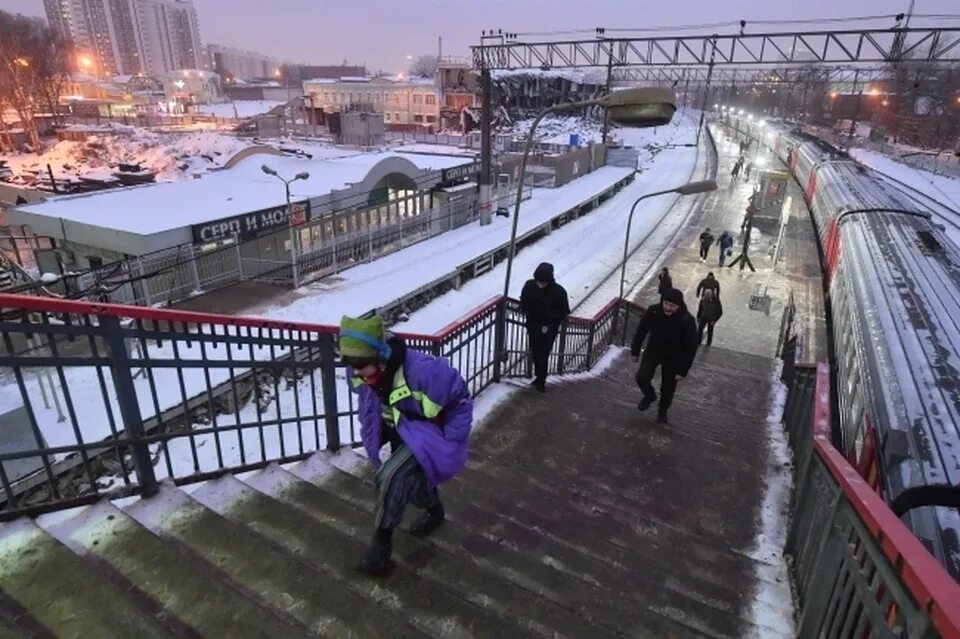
54, 305
934, 589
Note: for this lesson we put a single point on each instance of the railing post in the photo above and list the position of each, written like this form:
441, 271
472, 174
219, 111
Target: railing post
129, 406
239, 261
590, 339
500, 340
194, 272
561, 352
328, 382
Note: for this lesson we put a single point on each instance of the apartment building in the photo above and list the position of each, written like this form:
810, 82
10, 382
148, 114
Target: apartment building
402, 102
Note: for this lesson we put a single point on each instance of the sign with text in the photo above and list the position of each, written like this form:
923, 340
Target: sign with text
249, 225
459, 172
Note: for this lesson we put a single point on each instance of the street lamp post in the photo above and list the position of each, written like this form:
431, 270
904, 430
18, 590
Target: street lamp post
637, 107
294, 267
690, 188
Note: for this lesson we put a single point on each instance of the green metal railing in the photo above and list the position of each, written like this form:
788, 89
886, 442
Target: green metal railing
859, 572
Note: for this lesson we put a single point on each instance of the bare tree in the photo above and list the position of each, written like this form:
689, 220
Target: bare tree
424, 66
34, 65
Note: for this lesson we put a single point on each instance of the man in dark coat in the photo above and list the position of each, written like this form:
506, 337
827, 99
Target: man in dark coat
726, 244
672, 346
706, 241
708, 314
546, 305
709, 283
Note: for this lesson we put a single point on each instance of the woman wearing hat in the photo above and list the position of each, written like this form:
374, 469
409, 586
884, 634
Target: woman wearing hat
421, 406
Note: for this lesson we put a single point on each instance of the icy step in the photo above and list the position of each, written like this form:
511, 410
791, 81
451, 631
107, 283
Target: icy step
283, 580
181, 585
60, 592
424, 587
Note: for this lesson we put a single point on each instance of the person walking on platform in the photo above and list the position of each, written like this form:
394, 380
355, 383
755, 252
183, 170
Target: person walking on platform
726, 247
546, 305
421, 406
664, 281
746, 171
706, 241
672, 346
735, 173
709, 283
708, 314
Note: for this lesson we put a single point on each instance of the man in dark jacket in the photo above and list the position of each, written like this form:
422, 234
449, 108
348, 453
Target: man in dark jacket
546, 305
708, 314
672, 346
706, 241
709, 283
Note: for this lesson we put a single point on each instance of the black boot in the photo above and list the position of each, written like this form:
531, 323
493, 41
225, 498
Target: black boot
376, 562
645, 402
428, 522
662, 416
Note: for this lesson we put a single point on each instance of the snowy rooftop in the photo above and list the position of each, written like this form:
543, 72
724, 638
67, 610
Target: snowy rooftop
244, 188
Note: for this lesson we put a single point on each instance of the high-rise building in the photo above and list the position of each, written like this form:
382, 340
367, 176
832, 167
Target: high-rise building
236, 64
130, 36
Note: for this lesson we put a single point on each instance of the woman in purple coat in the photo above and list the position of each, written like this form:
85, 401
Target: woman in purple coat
421, 406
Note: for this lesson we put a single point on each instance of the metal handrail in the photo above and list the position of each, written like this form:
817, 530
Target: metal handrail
859, 570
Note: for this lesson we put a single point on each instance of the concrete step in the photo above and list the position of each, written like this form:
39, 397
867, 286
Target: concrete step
584, 595
521, 606
283, 580
64, 593
403, 599
179, 584
427, 595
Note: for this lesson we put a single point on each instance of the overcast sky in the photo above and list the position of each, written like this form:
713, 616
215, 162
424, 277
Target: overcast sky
380, 33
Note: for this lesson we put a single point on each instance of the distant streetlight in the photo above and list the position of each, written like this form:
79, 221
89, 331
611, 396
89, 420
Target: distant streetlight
22, 62
637, 107
691, 188
295, 270
86, 62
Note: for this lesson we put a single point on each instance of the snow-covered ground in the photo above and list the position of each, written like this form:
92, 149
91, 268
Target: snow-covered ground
239, 109
943, 188
172, 156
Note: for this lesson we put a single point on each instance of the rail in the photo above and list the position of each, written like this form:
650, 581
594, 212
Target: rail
100, 399
858, 570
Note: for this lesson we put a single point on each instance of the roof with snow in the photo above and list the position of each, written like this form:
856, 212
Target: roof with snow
155, 208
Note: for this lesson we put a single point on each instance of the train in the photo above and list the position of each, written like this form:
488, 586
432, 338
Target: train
892, 282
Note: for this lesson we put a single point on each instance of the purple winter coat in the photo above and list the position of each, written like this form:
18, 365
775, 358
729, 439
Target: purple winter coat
440, 444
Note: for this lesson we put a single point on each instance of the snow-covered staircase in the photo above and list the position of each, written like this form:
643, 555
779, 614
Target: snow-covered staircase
563, 524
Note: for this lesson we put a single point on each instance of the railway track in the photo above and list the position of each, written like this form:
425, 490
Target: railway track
943, 211
608, 287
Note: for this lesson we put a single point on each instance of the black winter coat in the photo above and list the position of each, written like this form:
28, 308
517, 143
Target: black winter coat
547, 306
666, 283
706, 239
673, 339
708, 284
710, 310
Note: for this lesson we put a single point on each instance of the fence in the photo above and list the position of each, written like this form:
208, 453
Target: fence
859, 571
110, 399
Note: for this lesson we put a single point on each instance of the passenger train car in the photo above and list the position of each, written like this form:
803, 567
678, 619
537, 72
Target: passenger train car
893, 281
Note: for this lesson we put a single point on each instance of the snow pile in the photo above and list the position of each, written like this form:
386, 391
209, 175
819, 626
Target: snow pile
240, 109
557, 130
172, 156
772, 611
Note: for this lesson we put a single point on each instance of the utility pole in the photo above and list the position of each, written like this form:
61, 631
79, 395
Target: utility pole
706, 89
486, 181
856, 113
606, 112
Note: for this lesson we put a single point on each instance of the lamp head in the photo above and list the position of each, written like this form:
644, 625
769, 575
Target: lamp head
702, 186
266, 169
641, 107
